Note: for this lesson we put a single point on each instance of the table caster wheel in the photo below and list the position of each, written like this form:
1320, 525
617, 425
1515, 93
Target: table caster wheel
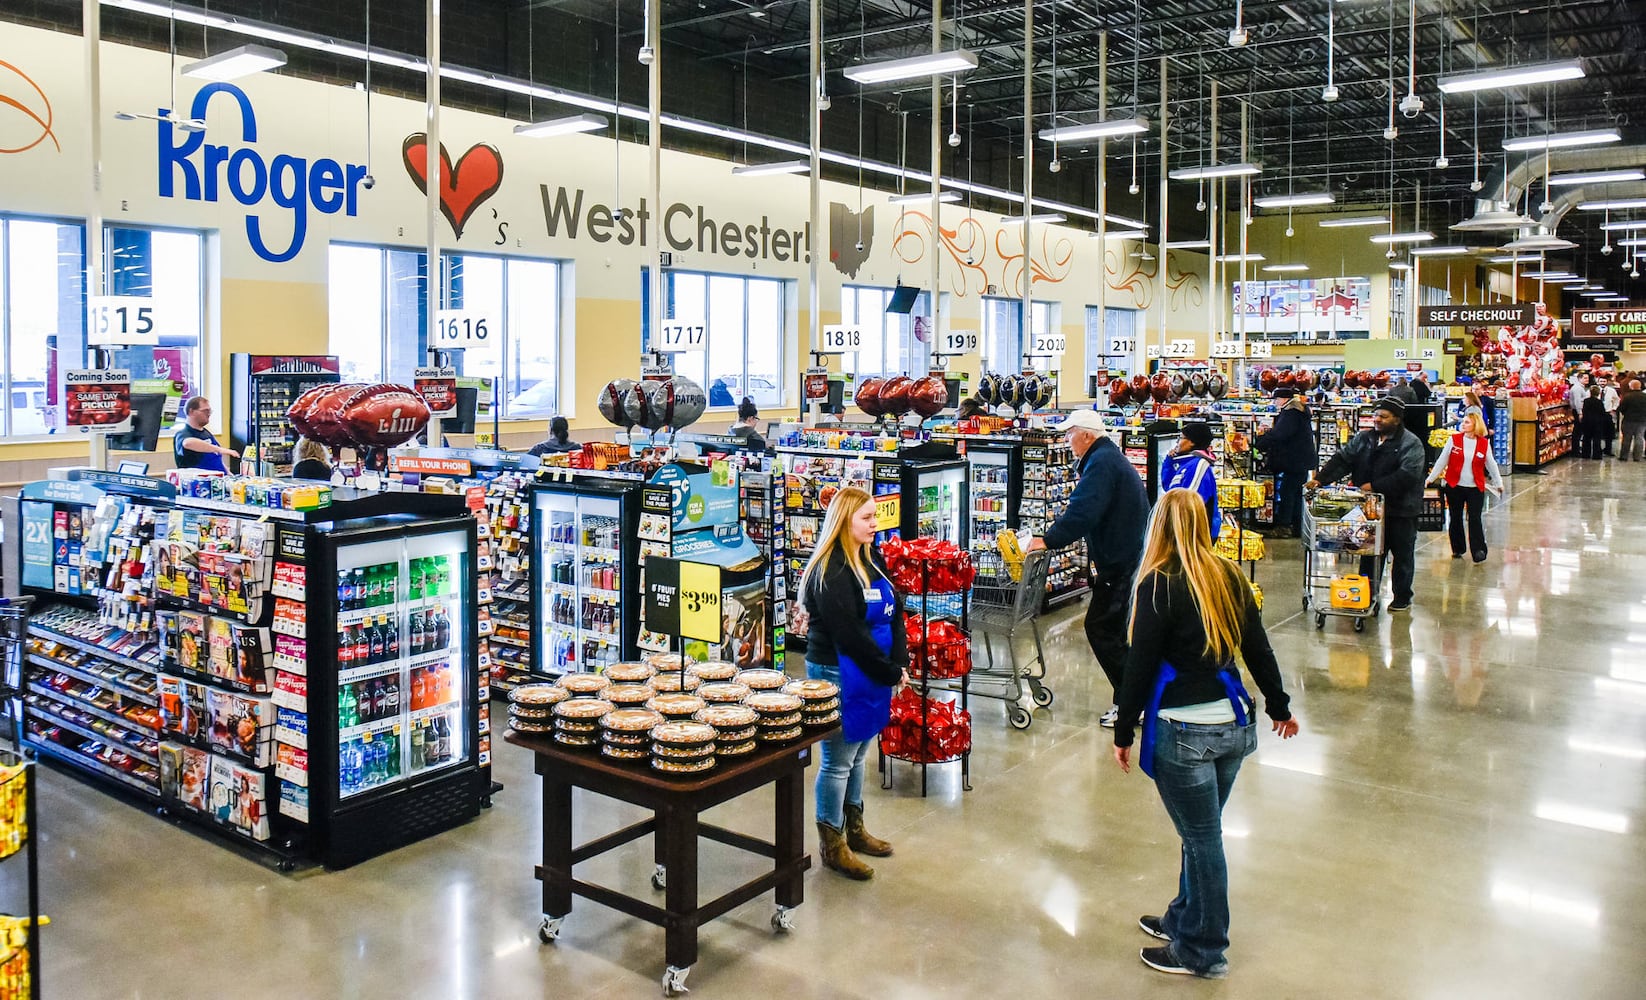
1018, 717
286, 865
1042, 696
660, 878
783, 920
1320, 621
1360, 624
549, 930
674, 981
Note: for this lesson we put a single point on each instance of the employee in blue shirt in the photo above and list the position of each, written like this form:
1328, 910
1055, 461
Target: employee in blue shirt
192, 445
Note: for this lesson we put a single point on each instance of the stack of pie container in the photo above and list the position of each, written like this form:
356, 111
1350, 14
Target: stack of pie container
763, 680
625, 733
630, 673
531, 707
821, 701
713, 670
577, 721
675, 706
683, 747
779, 714
735, 727
665, 662
585, 685
629, 695
675, 682
723, 693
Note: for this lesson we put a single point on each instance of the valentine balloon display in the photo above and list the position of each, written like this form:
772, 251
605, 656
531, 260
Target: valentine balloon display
1120, 392
1160, 387
611, 402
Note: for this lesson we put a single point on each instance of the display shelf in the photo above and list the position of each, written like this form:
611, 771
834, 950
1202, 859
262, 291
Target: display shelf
51, 748
374, 727
90, 708
228, 752
369, 672
123, 689
145, 754
96, 650
430, 711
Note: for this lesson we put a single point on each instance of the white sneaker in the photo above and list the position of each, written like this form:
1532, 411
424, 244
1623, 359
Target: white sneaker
1107, 719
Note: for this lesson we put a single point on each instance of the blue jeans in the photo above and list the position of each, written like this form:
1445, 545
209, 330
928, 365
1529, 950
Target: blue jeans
1195, 768
840, 773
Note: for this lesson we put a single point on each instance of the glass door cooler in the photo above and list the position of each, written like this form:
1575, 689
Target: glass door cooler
585, 544
263, 388
994, 485
934, 493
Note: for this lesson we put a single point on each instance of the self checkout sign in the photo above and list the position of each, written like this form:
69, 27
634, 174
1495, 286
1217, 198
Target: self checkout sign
121, 321
682, 336
464, 328
683, 599
838, 338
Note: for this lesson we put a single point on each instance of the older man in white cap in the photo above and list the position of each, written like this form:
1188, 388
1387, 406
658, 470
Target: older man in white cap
1110, 510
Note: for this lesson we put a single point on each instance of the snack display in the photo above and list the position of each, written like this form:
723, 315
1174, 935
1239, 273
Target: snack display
577, 721
780, 715
925, 730
683, 747
927, 566
938, 649
723, 693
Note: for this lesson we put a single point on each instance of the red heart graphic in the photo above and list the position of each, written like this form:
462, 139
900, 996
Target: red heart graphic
477, 176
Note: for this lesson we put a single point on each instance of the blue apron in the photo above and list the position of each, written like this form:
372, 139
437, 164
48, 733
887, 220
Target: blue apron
866, 707
1168, 673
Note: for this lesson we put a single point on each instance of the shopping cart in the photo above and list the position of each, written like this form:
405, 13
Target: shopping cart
14, 622
1001, 608
1340, 525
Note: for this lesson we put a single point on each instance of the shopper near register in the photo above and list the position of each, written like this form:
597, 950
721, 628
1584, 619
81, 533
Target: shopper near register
857, 640
1387, 459
1109, 508
194, 447
1468, 469
559, 440
746, 427
1290, 449
1191, 613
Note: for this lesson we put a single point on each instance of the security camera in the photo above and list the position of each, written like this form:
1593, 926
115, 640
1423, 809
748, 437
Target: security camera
1443, 162
954, 140
1133, 189
970, 260
368, 182
1238, 37
1411, 105
1290, 232
1329, 94
1200, 206
646, 55
1607, 249
824, 102
1390, 254
859, 246
1056, 166
1390, 133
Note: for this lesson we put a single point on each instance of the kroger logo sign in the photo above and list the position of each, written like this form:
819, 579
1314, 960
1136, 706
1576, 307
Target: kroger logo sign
208, 172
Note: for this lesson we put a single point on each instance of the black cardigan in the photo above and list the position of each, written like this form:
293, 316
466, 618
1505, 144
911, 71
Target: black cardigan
837, 608
1168, 628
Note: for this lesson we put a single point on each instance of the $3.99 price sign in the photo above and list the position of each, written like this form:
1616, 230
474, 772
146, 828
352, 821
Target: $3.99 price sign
683, 599
463, 328
679, 336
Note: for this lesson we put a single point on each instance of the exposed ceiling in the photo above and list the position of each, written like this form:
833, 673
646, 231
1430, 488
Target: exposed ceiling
746, 61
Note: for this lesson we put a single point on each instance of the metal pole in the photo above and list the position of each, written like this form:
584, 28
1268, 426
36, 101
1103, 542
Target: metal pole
1102, 202
92, 12
1028, 177
1417, 222
935, 332
814, 118
1161, 237
1214, 304
1245, 227
431, 170
654, 141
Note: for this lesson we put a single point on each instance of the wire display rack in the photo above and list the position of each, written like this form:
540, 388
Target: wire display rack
930, 731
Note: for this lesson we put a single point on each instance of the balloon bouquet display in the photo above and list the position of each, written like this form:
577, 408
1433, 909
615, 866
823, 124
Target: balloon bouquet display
1530, 354
653, 405
1019, 393
371, 418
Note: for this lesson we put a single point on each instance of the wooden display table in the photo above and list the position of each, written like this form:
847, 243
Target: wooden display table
676, 802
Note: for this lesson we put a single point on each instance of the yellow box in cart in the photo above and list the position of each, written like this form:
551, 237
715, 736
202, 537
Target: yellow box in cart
1011, 550
1351, 593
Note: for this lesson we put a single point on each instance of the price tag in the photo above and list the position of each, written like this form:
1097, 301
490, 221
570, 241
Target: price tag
1122, 346
888, 511
1228, 349
465, 328
842, 338
121, 320
960, 342
1048, 344
682, 336
1260, 349
1180, 349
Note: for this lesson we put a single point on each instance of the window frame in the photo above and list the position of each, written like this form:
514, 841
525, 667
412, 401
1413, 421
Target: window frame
783, 317
202, 364
1098, 351
908, 342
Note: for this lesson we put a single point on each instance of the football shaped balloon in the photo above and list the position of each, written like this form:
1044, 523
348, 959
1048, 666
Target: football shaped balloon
894, 395
325, 416
1381, 380
1179, 385
383, 415
1197, 384
1040, 394
1216, 385
637, 404
1011, 391
1160, 387
298, 412
1268, 379
867, 396
1140, 388
677, 402
1327, 379
1120, 392
988, 389
929, 395
611, 402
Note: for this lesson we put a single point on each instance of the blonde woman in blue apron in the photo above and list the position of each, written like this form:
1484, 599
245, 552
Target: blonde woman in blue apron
1192, 611
856, 640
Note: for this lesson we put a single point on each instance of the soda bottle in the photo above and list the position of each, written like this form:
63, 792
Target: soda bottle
359, 586
348, 708
379, 761
443, 574
345, 590
392, 697
379, 699
442, 628
420, 690
353, 767
418, 589
391, 582
393, 743
345, 648
378, 646
391, 639
418, 747
418, 639
362, 645
374, 593
431, 746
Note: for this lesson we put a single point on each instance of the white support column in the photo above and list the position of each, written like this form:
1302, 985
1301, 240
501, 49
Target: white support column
431, 171
1028, 180
92, 13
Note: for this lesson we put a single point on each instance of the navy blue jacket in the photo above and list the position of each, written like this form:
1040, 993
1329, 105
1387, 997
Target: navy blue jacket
1290, 443
1109, 508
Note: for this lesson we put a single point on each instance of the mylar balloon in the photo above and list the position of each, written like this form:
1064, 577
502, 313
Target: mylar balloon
867, 396
611, 402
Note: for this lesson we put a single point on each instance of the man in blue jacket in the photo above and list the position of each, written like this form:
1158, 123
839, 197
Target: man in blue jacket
1109, 508
1189, 467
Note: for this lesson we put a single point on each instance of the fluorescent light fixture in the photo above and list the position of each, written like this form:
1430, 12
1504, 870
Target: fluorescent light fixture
589, 122
780, 167
1096, 130
1295, 200
1633, 241
1216, 170
1122, 234
1613, 298
1561, 140
1017, 220
1623, 225
237, 62
1452, 251
1596, 177
1621, 205
1596, 293
1125, 223
1189, 245
1548, 275
1400, 265
1285, 268
1412, 237
1236, 258
1606, 749
913, 68
1594, 819
1346, 221
1512, 76
924, 197
186, 124
1515, 258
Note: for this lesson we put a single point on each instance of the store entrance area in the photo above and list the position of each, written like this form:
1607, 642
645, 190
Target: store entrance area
1461, 816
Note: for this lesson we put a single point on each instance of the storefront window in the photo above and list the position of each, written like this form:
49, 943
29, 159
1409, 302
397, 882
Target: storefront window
42, 318
747, 326
167, 266
1003, 332
892, 342
1114, 343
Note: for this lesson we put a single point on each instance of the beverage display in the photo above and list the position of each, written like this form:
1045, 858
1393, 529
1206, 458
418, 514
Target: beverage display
991, 508
582, 580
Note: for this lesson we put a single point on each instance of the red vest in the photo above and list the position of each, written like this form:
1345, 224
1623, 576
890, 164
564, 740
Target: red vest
1477, 460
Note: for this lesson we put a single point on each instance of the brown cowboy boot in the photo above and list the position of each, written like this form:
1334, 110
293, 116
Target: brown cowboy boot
860, 839
837, 854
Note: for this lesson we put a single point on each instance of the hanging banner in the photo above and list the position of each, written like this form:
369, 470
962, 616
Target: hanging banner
438, 387
1501, 314
97, 401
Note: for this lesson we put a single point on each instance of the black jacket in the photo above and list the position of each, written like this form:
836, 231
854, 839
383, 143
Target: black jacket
1593, 420
835, 603
1168, 628
311, 468
1394, 468
553, 447
1109, 508
1290, 443
751, 437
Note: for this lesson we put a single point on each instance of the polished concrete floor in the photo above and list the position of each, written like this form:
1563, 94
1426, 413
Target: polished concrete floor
1461, 817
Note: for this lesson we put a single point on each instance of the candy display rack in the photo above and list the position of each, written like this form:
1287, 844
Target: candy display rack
20, 935
936, 579
1049, 478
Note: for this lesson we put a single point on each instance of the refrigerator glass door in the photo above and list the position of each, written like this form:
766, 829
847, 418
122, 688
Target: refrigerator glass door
599, 581
940, 493
436, 708
556, 527
371, 673
990, 474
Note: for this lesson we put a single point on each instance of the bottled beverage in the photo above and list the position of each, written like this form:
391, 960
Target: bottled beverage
418, 746
431, 746
379, 761
442, 628
419, 580
348, 708
392, 697
358, 585
374, 593
345, 590
420, 689
353, 767
391, 750
416, 633
391, 639
345, 647
391, 582
377, 654
362, 645
379, 700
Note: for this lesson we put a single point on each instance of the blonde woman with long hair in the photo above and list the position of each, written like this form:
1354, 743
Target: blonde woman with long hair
857, 640
1467, 469
1192, 612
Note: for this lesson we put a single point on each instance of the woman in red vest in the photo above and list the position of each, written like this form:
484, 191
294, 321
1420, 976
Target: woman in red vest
1468, 470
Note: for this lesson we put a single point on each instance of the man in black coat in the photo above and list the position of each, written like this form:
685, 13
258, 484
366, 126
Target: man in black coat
1388, 459
1292, 453
1109, 508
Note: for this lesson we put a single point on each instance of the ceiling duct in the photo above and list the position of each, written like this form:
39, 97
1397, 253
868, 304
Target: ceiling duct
1493, 215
